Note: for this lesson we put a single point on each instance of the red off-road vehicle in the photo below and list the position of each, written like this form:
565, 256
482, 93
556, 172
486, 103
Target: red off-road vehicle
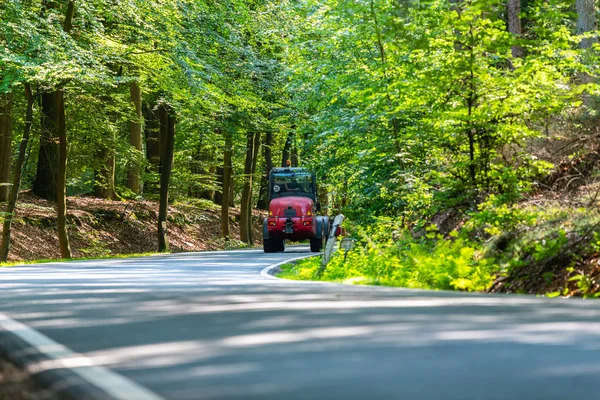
293, 209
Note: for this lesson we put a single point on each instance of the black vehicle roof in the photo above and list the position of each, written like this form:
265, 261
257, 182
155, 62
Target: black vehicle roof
291, 169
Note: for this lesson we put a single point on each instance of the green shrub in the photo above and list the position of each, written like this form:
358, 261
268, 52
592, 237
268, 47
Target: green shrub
432, 262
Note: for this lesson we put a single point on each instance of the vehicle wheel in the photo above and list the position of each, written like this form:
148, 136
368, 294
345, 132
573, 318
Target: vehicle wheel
270, 246
316, 245
280, 244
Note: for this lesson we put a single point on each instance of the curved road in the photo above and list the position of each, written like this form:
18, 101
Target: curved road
210, 326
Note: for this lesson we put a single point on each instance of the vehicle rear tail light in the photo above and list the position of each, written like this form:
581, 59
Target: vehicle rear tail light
307, 223
272, 223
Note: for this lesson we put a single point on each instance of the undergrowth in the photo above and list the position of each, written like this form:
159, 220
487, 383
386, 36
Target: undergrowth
388, 256
516, 248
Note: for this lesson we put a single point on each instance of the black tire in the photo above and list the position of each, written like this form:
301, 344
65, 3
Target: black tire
270, 246
280, 244
316, 245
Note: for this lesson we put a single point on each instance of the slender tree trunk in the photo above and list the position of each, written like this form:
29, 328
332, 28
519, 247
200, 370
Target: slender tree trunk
205, 193
227, 183
586, 21
232, 187
513, 8
471, 104
14, 191
135, 139
151, 130
210, 194
384, 68
287, 148
5, 144
45, 184
295, 155
218, 197
163, 133
246, 201
104, 173
47, 166
166, 165
61, 186
198, 168
68, 24
263, 193
104, 181
255, 153
61, 129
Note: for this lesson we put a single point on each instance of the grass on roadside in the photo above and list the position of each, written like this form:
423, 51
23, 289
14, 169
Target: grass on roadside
46, 261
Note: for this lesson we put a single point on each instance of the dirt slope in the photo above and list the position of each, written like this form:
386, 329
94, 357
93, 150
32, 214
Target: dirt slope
99, 227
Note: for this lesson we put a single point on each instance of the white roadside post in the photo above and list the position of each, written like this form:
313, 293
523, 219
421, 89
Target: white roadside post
337, 222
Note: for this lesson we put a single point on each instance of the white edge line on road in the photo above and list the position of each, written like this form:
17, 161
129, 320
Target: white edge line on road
60, 356
266, 271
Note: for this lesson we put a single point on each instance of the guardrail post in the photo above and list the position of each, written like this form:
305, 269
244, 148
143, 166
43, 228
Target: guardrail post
331, 240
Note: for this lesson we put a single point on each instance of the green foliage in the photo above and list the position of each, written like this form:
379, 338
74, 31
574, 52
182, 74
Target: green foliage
215, 64
413, 108
432, 262
494, 217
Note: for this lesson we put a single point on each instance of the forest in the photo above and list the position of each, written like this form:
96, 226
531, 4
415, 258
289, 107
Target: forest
459, 138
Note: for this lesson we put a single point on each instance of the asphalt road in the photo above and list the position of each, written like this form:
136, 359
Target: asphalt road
210, 326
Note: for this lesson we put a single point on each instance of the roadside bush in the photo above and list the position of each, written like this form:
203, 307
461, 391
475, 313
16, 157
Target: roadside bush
516, 248
385, 256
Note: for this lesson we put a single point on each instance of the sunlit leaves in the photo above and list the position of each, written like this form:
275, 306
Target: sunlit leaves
433, 98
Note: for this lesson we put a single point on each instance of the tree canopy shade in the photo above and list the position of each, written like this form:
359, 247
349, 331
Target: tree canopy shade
409, 104
213, 65
403, 108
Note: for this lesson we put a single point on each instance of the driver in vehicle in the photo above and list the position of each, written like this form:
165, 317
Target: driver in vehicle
294, 186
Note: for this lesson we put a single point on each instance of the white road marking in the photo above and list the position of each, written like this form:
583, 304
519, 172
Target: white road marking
59, 356
265, 272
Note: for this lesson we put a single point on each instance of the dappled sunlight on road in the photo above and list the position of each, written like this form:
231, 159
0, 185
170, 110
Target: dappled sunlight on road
202, 324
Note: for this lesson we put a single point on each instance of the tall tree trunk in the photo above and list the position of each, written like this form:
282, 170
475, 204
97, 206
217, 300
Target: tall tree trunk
135, 138
5, 144
14, 191
471, 130
61, 129
246, 201
227, 183
61, 186
208, 194
232, 187
47, 166
204, 174
163, 133
104, 173
513, 8
255, 153
151, 130
295, 155
287, 148
586, 21
166, 165
46, 178
263, 193
218, 197
104, 180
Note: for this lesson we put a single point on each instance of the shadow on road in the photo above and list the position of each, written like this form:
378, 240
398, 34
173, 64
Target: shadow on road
189, 327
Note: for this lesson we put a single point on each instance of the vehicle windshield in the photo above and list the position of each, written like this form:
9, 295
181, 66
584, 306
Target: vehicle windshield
291, 182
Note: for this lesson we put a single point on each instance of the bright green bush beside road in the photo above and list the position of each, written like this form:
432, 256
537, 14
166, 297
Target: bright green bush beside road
430, 262
517, 248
